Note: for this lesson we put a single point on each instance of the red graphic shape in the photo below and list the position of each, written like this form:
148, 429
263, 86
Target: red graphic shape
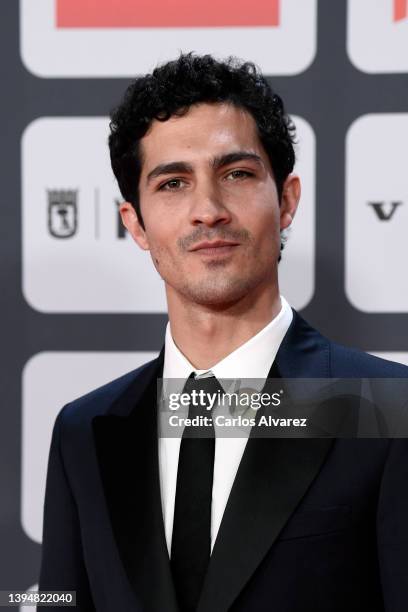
165, 13
400, 9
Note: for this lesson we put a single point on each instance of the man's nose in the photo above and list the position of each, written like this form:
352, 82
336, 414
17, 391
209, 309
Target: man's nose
208, 206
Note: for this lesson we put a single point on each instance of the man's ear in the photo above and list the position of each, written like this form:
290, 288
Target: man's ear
133, 226
290, 200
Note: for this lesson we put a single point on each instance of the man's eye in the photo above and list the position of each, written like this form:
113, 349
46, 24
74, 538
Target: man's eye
172, 185
238, 174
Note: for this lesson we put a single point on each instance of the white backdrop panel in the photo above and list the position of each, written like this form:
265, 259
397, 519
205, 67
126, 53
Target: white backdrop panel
377, 35
377, 213
51, 380
51, 51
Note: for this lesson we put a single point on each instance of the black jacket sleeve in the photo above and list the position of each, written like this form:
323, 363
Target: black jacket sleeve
392, 528
62, 566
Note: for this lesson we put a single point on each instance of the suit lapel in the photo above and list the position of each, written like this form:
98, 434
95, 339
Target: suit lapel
127, 450
273, 476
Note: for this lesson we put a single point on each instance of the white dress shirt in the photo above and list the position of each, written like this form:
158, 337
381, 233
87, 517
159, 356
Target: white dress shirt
251, 360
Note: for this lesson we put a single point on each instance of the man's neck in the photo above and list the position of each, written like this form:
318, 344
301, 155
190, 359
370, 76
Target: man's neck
207, 335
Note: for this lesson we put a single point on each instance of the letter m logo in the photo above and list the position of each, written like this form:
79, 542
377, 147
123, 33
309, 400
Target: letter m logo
166, 13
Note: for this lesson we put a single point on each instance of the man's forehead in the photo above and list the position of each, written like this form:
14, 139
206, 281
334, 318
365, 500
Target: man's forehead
205, 112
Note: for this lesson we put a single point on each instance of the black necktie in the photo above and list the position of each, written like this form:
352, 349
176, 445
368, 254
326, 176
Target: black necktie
191, 539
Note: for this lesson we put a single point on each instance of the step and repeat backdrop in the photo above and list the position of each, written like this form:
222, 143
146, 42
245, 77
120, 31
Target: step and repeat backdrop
81, 303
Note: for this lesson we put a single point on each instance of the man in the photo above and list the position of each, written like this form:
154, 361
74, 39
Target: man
203, 154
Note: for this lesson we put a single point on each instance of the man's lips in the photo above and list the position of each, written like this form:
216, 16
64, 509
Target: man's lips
215, 246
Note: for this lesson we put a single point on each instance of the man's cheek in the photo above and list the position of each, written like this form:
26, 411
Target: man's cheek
155, 255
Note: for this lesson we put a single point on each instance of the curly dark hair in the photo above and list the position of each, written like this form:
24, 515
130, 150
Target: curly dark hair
191, 79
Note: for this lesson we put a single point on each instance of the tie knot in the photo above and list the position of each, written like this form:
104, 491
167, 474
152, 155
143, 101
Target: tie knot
205, 394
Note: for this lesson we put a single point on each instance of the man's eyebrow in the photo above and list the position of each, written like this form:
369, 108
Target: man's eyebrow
169, 168
216, 162
236, 156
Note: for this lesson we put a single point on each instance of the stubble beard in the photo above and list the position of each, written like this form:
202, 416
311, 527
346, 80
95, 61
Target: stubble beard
220, 288
215, 286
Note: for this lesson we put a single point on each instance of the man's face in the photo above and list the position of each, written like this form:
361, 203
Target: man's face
210, 205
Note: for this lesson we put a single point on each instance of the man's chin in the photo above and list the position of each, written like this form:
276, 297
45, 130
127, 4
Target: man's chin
218, 297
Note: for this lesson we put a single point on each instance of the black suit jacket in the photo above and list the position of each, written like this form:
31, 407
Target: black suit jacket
315, 525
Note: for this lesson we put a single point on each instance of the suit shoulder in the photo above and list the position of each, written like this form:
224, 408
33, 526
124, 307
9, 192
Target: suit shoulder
98, 402
351, 362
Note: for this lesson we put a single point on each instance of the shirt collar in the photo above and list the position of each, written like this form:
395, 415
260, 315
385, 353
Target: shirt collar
253, 359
